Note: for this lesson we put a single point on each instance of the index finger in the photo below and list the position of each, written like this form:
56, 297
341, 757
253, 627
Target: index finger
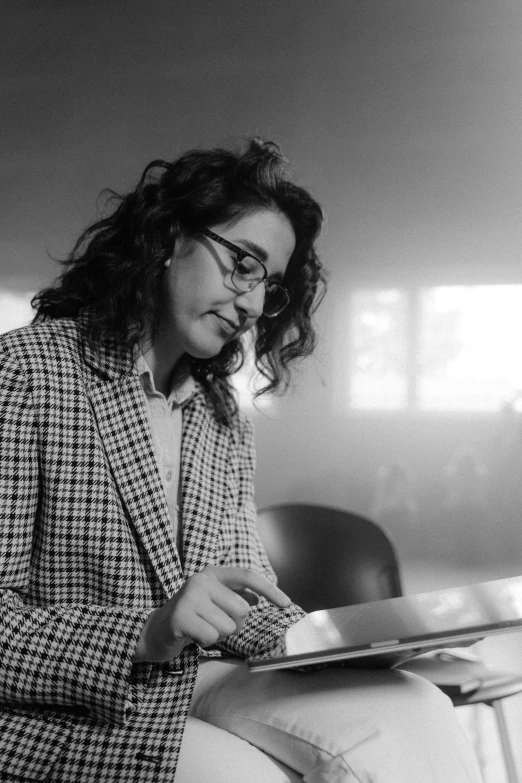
238, 579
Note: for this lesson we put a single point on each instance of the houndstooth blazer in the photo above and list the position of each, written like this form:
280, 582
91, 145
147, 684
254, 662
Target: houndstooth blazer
87, 549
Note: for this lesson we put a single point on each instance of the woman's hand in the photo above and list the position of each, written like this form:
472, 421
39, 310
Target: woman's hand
211, 605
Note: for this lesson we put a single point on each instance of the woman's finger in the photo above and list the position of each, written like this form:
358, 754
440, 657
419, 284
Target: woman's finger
238, 579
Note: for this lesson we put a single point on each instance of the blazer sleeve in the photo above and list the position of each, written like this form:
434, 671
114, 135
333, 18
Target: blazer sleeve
51, 655
265, 622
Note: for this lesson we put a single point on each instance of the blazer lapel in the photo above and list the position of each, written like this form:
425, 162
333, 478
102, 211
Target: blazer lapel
118, 405
205, 449
122, 421
117, 401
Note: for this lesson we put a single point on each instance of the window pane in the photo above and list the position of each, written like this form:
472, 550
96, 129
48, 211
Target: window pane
378, 376
469, 347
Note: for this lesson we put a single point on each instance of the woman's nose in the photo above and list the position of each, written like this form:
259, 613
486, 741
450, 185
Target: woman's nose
252, 302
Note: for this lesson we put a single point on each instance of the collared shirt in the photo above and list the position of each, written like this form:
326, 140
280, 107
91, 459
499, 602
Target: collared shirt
165, 419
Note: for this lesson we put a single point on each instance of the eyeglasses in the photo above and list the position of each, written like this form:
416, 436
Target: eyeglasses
249, 272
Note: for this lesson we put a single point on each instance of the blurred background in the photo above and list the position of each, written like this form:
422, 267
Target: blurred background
404, 118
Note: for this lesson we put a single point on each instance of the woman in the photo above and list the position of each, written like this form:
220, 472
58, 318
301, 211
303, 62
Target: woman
129, 549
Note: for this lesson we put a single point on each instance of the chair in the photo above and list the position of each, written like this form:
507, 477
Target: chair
326, 557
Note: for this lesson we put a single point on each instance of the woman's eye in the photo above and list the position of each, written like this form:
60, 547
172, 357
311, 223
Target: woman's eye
247, 267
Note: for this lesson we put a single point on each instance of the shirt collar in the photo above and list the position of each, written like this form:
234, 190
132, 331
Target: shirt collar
183, 384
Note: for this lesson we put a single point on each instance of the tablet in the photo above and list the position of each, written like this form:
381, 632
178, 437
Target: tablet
382, 634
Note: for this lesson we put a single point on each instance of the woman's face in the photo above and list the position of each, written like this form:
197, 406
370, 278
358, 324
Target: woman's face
200, 309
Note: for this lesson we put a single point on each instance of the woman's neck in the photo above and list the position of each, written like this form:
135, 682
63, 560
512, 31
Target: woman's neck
162, 369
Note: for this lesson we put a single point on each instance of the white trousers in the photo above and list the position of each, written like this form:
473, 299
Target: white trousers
329, 726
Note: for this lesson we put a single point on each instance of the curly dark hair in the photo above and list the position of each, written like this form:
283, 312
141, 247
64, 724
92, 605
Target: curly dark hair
113, 273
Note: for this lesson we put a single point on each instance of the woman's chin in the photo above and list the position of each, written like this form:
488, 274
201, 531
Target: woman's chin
205, 353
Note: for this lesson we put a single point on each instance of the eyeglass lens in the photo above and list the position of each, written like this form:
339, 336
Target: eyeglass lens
276, 299
248, 274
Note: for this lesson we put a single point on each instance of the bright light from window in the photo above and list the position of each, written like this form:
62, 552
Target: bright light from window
247, 380
463, 344
15, 309
379, 350
469, 347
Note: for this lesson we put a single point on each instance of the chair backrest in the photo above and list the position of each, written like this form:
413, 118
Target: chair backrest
325, 557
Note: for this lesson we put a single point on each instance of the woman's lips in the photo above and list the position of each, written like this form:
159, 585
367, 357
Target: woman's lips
229, 327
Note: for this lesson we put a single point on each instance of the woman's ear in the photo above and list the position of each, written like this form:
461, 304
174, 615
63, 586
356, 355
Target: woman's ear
177, 241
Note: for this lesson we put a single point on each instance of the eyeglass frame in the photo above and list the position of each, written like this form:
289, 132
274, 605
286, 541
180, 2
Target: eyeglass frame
241, 254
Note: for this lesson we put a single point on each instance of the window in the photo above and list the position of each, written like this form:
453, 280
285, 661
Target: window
444, 348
